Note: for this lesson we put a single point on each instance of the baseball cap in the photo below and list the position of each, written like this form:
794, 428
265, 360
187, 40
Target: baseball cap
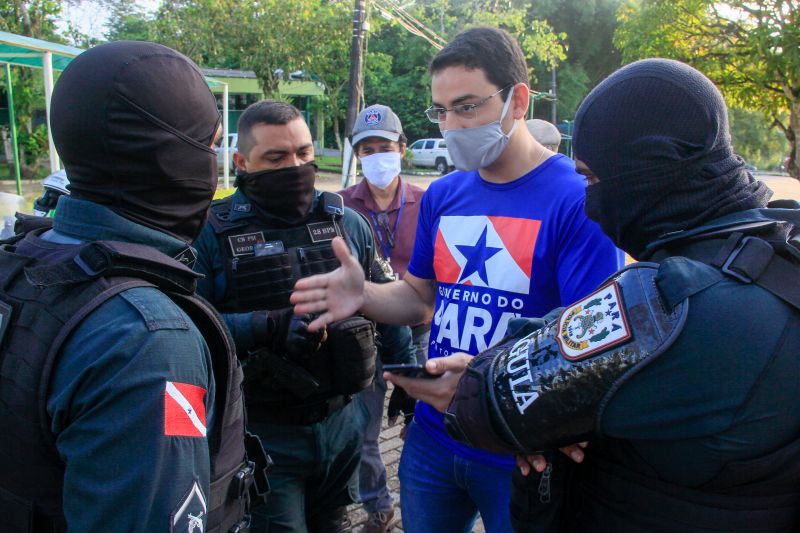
376, 121
544, 132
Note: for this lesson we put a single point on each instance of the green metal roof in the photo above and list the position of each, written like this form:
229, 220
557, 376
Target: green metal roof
28, 52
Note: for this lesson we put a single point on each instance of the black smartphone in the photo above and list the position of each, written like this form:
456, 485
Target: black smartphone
407, 369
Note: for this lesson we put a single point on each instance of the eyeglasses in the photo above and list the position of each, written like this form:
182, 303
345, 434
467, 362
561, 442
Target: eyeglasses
465, 111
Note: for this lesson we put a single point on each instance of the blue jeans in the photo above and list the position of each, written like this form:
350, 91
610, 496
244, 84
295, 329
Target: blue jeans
441, 492
372, 487
315, 471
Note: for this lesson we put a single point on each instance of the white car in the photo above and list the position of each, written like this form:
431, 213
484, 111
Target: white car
232, 145
431, 153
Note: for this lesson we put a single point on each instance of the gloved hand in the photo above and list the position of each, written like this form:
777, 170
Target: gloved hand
284, 332
400, 402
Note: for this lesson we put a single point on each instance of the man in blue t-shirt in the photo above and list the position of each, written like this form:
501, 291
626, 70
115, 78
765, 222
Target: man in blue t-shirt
505, 236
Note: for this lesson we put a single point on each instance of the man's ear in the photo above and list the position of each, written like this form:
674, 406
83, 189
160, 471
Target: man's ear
521, 100
239, 161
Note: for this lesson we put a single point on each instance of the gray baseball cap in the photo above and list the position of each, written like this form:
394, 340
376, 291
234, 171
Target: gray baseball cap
376, 121
544, 132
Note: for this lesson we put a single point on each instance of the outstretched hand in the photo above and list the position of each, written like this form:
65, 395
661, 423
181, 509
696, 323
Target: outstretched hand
437, 391
335, 295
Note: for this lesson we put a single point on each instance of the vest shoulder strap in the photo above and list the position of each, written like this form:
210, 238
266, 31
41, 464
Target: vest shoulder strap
117, 259
750, 259
219, 216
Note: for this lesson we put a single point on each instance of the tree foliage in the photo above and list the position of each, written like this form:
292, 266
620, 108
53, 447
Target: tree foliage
750, 49
32, 19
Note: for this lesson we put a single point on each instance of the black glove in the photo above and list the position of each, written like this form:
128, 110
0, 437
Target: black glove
284, 332
400, 402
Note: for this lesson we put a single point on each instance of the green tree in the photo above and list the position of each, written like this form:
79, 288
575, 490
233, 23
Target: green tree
128, 22
405, 85
589, 27
750, 49
34, 18
756, 141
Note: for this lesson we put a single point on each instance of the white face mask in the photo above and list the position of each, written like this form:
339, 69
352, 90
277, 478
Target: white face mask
381, 168
479, 147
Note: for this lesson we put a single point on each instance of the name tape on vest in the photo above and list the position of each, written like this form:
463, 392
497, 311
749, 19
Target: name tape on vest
321, 231
245, 243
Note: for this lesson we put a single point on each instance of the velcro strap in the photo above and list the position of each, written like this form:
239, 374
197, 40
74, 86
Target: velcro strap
117, 259
750, 260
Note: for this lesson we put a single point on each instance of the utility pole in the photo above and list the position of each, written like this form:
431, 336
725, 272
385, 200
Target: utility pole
354, 91
554, 100
357, 46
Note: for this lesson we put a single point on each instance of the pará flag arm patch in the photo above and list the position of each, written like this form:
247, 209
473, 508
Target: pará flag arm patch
184, 410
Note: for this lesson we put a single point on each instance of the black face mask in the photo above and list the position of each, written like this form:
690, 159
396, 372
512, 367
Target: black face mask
284, 195
133, 123
656, 135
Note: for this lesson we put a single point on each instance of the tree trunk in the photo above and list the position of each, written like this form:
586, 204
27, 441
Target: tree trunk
7, 150
336, 133
792, 132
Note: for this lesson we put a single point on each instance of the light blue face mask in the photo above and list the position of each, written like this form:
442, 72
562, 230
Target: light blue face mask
479, 147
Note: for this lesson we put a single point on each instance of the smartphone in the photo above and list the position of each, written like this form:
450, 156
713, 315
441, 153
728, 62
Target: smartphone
410, 370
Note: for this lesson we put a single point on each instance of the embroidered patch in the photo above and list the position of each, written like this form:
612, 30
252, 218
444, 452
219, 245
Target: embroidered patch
321, 231
372, 118
190, 515
594, 324
184, 410
5, 319
242, 208
244, 244
520, 380
269, 248
187, 257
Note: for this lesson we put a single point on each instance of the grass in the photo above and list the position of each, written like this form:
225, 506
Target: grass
329, 163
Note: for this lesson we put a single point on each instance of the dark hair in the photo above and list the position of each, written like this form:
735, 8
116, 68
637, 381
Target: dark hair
492, 50
270, 112
400, 140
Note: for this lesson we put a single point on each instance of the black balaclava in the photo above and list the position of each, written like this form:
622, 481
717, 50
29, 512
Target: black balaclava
133, 123
283, 196
656, 135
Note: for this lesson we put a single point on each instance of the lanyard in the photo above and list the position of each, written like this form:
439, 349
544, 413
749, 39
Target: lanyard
387, 246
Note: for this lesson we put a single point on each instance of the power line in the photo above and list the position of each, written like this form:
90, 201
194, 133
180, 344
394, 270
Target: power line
396, 13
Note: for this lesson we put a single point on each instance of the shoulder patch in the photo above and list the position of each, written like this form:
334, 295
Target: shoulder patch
190, 515
596, 323
184, 410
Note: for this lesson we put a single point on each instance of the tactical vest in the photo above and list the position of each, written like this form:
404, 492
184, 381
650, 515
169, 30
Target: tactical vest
44, 297
262, 264
756, 495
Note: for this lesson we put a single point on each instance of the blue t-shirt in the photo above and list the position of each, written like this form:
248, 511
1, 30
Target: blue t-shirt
500, 251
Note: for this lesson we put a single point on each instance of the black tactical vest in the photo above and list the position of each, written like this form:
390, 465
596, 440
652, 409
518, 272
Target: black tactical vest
262, 263
756, 495
44, 296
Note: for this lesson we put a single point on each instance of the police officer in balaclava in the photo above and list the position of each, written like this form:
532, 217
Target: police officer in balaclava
681, 371
120, 404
